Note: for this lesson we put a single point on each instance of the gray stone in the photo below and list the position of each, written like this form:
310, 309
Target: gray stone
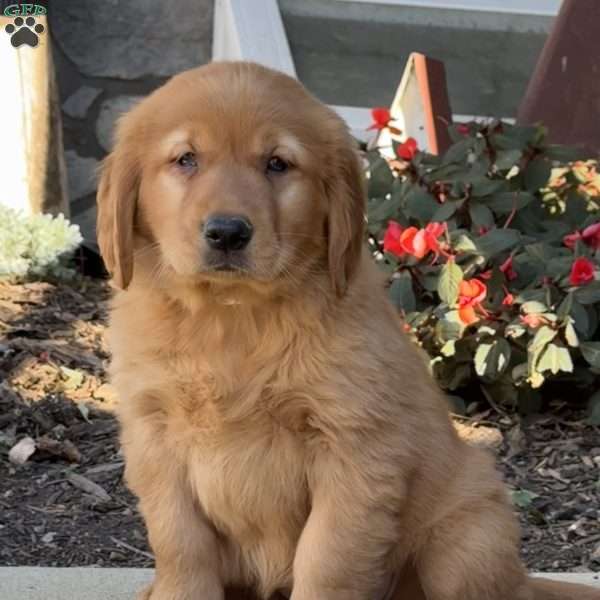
77, 104
110, 110
86, 219
75, 583
81, 172
134, 39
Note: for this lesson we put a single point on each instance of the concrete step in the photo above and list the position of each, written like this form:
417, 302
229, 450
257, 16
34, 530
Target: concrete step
84, 583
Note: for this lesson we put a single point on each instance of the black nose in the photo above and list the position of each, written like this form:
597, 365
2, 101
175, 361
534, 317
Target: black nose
227, 233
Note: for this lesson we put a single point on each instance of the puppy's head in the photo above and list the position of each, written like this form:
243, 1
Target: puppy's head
232, 174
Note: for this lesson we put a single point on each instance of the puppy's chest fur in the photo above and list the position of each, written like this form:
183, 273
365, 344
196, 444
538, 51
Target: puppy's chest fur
245, 434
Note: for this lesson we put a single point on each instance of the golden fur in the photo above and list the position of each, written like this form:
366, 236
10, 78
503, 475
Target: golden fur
281, 433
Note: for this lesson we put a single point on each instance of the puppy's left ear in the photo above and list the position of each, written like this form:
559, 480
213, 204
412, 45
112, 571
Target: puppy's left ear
116, 202
346, 220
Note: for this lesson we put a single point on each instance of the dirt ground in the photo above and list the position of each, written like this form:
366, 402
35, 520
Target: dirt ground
67, 505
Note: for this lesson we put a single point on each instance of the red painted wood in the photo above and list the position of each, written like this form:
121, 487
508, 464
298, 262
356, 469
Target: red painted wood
564, 92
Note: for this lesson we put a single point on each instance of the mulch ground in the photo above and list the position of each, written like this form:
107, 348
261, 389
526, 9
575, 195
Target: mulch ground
67, 505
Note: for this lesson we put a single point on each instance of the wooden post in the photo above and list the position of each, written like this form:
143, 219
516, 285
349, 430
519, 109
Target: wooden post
564, 90
32, 168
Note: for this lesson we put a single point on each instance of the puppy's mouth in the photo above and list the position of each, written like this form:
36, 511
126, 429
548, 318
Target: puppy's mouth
227, 265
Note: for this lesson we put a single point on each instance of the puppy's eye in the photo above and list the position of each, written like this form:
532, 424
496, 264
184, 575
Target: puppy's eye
277, 165
187, 160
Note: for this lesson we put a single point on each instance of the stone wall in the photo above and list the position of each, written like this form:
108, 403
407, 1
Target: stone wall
108, 55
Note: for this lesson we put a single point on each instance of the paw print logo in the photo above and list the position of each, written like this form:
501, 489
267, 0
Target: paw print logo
24, 32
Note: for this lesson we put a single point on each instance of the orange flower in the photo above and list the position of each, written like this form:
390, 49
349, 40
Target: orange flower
467, 315
381, 117
471, 294
413, 241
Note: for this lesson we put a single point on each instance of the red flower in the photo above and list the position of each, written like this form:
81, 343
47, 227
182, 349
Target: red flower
509, 299
570, 240
391, 239
408, 149
381, 117
471, 294
591, 236
413, 241
432, 232
507, 268
463, 129
582, 272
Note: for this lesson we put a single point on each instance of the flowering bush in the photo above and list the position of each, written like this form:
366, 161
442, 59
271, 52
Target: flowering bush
36, 245
493, 255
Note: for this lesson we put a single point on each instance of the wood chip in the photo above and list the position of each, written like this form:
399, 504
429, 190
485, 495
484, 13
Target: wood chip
88, 486
19, 454
64, 449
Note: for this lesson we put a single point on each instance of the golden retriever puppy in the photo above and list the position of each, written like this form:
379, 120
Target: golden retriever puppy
281, 433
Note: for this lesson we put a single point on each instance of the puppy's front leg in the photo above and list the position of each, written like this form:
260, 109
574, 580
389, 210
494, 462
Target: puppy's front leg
345, 550
184, 544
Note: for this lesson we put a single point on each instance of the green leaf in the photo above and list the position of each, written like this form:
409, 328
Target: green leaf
523, 498
449, 348
554, 359
496, 241
449, 282
538, 295
485, 186
492, 359
381, 178
458, 152
447, 331
533, 307
380, 211
564, 310
564, 153
542, 338
420, 205
582, 321
537, 174
504, 203
589, 293
571, 334
515, 330
505, 159
464, 244
481, 215
591, 353
402, 293
559, 267
446, 210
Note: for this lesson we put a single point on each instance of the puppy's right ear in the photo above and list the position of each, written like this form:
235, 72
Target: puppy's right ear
117, 200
